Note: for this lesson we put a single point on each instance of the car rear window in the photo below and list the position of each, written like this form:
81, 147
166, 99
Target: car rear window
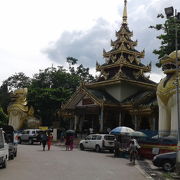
26, 132
94, 137
107, 137
98, 138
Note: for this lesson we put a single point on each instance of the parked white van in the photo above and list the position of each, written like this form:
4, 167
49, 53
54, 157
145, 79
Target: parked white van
3, 150
98, 142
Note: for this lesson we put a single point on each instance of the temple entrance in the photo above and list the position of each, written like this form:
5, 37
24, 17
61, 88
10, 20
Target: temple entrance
90, 121
127, 121
111, 119
144, 123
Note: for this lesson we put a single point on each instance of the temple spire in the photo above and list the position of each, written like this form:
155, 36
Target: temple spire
125, 12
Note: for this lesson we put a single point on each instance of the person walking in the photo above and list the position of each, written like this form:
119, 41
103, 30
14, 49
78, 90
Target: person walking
133, 150
71, 142
67, 143
116, 146
44, 140
49, 141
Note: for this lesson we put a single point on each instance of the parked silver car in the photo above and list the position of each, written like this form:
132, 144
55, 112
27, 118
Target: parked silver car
9, 139
3, 150
98, 142
30, 136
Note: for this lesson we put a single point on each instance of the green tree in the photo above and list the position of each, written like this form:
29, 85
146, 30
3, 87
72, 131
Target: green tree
80, 71
3, 117
18, 80
47, 101
167, 36
4, 97
49, 89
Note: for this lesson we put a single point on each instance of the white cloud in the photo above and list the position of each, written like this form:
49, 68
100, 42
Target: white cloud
156, 77
29, 26
86, 46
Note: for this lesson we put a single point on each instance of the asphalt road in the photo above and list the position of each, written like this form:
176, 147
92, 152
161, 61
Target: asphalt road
34, 164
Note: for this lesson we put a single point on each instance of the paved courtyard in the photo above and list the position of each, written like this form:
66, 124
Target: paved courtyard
34, 164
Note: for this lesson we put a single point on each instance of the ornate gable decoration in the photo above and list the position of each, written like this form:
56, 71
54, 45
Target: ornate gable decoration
104, 75
120, 74
122, 47
86, 100
121, 60
138, 74
131, 58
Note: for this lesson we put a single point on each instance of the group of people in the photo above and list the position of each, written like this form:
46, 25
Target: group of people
133, 145
46, 139
69, 142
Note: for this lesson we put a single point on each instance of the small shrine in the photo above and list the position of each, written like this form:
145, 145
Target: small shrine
123, 94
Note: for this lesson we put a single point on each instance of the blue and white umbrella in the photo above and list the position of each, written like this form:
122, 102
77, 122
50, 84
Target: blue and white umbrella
121, 130
137, 134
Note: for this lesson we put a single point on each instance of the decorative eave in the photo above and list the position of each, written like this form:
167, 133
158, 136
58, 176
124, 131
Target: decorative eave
98, 66
124, 30
122, 39
143, 109
64, 106
120, 64
111, 105
119, 80
134, 43
113, 43
135, 53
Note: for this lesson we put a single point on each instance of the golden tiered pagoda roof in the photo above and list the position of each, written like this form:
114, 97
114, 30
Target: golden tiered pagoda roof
123, 61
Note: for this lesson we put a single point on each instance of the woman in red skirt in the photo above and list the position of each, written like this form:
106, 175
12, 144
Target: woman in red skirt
49, 142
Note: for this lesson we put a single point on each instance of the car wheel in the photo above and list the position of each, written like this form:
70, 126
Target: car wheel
15, 154
167, 166
111, 150
4, 164
12, 157
81, 147
30, 141
97, 148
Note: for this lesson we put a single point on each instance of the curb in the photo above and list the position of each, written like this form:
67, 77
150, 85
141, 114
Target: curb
146, 175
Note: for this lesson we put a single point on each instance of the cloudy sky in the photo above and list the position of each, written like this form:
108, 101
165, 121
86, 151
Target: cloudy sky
35, 34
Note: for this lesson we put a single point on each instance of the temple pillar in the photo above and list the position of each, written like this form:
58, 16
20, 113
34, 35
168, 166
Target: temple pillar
75, 122
135, 123
71, 124
101, 118
153, 123
120, 119
81, 119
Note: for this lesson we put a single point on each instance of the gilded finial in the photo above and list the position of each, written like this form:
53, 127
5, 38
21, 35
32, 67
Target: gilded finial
125, 12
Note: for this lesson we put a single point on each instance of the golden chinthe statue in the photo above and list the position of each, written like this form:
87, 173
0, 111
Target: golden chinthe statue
166, 96
20, 115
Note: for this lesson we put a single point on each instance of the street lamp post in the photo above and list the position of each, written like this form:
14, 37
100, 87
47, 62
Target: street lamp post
170, 13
